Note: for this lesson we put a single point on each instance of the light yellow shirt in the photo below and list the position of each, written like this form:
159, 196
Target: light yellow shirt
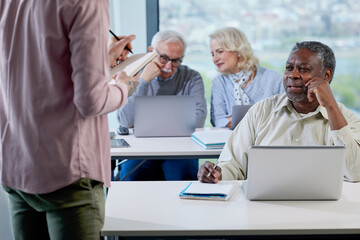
274, 121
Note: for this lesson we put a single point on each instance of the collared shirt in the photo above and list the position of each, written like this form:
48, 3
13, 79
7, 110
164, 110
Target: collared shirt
185, 81
274, 121
54, 94
266, 83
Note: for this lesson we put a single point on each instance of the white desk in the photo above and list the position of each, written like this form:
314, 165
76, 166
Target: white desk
154, 209
162, 148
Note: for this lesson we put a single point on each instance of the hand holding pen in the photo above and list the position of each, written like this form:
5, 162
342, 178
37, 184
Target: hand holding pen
209, 172
118, 49
117, 38
213, 168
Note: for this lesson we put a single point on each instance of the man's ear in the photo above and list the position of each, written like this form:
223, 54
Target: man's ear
150, 48
328, 74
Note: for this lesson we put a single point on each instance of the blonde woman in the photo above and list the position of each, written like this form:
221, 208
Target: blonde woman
242, 81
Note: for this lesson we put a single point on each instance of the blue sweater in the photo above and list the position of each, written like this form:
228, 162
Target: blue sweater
266, 83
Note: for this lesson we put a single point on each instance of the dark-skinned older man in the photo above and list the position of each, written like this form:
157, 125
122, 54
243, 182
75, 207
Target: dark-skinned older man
307, 114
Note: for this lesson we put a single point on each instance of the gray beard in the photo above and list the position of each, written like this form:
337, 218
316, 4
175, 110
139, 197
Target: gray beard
297, 97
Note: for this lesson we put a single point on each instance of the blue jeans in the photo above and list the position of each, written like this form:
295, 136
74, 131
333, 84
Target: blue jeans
153, 170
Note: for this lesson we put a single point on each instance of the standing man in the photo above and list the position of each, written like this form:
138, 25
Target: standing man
54, 100
165, 76
307, 114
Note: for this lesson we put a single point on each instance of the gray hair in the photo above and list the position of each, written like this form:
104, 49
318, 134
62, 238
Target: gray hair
324, 52
168, 36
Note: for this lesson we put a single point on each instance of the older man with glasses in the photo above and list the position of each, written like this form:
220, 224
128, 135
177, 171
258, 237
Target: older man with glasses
165, 76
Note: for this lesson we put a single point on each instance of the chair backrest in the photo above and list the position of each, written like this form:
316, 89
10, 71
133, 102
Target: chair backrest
5, 224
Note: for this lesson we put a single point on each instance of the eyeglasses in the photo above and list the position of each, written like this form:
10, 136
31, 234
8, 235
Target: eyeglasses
164, 59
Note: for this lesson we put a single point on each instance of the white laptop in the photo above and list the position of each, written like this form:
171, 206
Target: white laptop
164, 116
295, 172
238, 112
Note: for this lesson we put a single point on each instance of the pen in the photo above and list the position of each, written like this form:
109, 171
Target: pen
126, 47
213, 168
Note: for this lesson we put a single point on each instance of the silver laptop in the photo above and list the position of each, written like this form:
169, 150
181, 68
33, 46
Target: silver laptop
238, 112
295, 172
164, 116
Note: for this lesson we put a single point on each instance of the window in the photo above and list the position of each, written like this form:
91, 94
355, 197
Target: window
272, 27
134, 21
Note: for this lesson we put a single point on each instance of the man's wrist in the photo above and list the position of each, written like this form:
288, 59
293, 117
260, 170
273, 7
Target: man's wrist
132, 85
146, 78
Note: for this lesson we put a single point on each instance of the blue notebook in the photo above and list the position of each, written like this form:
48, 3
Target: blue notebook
207, 191
214, 139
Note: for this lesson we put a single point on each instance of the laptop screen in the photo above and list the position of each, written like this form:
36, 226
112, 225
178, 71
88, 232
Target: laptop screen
238, 112
295, 172
164, 116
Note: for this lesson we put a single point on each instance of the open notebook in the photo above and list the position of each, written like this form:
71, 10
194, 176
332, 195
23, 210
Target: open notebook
208, 191
133, 64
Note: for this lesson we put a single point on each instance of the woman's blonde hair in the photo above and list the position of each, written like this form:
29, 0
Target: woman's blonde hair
232, 39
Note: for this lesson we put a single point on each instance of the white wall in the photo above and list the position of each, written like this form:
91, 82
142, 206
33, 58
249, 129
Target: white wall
128, 17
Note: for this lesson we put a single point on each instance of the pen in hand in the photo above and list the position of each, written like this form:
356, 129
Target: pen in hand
126, 47
213, 168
